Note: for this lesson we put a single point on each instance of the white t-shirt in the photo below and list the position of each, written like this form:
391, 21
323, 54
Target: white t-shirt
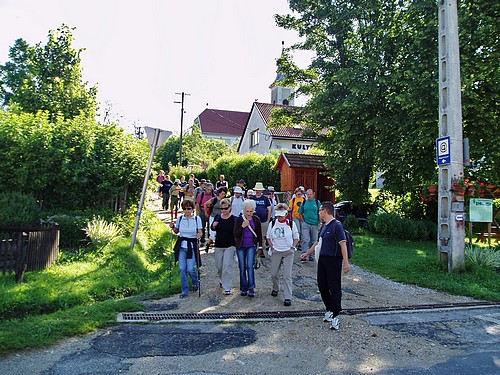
188, 227
282, 235
237, 205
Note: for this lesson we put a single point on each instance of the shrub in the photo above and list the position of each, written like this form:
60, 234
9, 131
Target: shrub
483, 256
394, 226
351, 223
101, 232
18, 208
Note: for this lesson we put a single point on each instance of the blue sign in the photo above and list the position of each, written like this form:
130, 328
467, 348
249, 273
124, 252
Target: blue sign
443, 150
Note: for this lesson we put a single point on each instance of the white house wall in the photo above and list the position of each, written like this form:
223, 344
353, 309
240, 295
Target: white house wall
256, 122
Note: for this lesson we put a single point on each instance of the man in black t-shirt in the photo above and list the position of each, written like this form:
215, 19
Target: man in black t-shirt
262, 208
166, 184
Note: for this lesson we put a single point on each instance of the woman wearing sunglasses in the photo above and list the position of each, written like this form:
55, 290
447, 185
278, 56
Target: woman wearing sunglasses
188, 228
223, 226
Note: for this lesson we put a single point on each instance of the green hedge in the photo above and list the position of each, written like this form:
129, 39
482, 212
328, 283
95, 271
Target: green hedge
394, 226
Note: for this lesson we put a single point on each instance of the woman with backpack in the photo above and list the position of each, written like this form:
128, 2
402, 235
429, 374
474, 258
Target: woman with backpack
223, 225
247, 235
282, 236
187, 253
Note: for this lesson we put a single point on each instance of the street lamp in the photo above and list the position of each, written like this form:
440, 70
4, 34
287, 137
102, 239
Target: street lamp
182, 120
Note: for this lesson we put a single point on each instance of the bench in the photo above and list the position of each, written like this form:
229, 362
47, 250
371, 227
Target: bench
13, 255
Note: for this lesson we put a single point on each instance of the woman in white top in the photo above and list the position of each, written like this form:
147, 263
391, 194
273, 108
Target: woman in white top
189, 229
283, 236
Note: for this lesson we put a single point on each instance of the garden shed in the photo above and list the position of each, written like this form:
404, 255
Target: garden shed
305, 170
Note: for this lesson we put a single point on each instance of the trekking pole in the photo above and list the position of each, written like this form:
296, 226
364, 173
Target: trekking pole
198, 261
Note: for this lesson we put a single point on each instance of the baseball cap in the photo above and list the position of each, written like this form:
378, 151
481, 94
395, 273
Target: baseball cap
281, 213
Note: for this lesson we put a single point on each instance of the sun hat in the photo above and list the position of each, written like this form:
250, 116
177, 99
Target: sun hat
270, 188
250, 192
281, 213
258, 186
237, 189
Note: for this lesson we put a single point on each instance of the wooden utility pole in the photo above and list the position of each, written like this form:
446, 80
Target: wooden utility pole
183, 94
451, 205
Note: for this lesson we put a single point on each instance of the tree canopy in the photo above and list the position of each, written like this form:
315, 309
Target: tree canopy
72, 164
374, 87
47, 78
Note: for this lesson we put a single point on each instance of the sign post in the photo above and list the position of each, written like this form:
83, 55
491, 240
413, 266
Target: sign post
156, 138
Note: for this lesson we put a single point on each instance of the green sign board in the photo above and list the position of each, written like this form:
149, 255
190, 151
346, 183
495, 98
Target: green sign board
481, 210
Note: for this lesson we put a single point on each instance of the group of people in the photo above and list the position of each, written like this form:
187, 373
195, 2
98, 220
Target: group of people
247, 226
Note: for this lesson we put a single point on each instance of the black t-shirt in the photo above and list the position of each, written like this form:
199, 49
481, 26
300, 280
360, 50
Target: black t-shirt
165, 186
224, 231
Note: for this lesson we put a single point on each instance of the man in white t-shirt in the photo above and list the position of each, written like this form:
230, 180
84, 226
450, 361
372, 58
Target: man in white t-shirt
283, 236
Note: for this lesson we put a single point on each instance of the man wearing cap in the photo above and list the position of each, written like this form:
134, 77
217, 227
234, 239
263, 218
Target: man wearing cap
237, 201
262, 209
174, 198
283, 236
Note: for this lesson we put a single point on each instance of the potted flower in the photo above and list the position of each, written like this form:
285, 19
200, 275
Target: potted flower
459, 185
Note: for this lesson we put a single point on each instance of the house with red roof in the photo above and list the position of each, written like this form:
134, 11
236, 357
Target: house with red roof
257, 137
222, 124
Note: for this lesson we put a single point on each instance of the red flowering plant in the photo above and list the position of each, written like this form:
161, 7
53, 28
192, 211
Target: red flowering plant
429, 194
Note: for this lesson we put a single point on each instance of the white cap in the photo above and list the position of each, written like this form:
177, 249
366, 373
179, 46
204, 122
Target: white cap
281, 213
250, 192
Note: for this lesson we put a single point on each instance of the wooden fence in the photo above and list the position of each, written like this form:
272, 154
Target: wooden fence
13, 254
42, 244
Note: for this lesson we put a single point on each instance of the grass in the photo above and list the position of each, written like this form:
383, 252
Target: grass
416, 263
82, 294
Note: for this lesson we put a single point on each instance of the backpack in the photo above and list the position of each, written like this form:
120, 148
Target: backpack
273, 221
349, 243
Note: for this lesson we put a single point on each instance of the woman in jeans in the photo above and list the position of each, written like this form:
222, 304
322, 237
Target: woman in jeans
247, 235
188, 227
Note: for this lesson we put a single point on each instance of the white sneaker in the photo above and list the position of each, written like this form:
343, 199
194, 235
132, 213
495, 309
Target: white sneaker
328, 316
335, 323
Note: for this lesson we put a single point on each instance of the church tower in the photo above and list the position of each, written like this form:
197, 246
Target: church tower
279, 94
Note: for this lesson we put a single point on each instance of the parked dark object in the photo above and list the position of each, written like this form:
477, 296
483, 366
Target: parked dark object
344, 208
42, 244
13, 255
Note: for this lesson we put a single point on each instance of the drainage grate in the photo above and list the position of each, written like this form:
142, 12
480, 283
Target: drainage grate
142, 317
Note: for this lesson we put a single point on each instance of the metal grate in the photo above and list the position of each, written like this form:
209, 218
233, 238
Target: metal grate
141, 317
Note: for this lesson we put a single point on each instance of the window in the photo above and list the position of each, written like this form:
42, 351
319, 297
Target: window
254, 138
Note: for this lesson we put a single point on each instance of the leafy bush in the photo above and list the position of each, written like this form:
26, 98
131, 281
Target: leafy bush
101, 232
71, 229
483, 256
351, 223
18, 208
394, 226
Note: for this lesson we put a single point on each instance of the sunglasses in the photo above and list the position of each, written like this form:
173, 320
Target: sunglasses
224, 208
188, 208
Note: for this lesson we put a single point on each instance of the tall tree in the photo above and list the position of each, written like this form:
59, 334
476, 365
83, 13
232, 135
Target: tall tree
47, 78
374, 86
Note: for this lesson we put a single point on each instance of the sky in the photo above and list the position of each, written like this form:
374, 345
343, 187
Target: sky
141, 53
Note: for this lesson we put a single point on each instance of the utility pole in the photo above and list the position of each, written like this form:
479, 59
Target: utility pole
451, 205
182, 120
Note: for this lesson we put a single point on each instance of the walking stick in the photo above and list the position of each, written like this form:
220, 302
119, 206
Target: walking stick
198, 262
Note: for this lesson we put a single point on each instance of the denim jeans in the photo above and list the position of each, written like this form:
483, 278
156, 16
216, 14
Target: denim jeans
187, 266
246, 259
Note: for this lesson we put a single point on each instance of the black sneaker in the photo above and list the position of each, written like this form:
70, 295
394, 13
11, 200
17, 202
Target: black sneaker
287, 302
